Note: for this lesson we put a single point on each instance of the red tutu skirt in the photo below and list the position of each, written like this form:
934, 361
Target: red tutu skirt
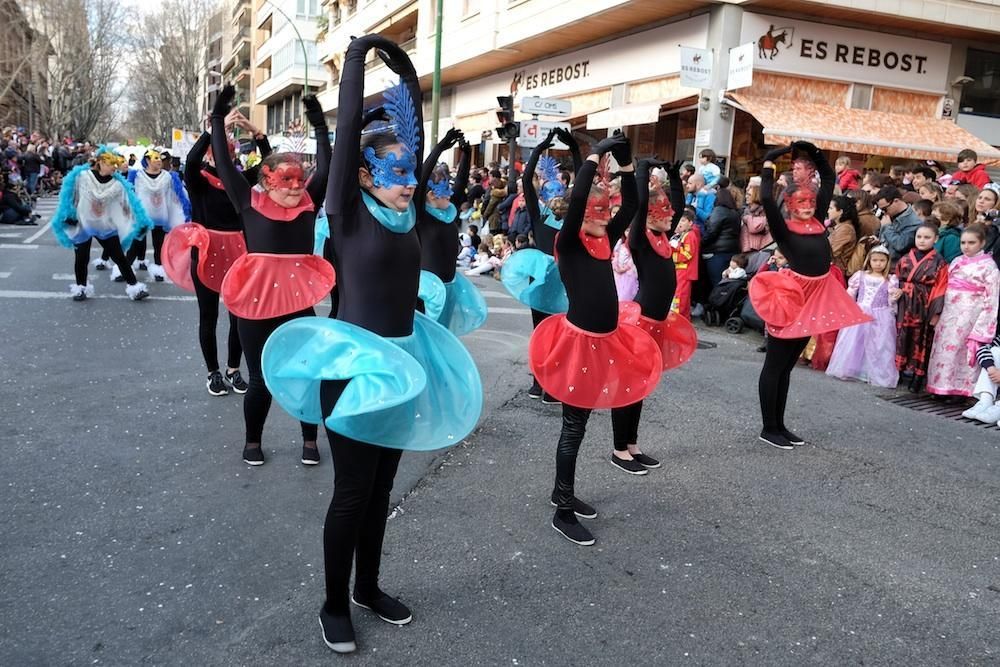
588, 370
260, 286
217, 252
797, 306
675, 335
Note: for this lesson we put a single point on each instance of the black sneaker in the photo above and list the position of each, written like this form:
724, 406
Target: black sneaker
236, 380
119, 278
253, 456
549, 399
216, 387
142, 266
572, 530
631, 466
80, 296
646, 461
338, 632
386, 607
580, 508
791, 437
536, 390
310, 456
775, 440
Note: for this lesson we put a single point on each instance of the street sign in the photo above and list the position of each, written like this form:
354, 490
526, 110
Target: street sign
544, 106
533, 131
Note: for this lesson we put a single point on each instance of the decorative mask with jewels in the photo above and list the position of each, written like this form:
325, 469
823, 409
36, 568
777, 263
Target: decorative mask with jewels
284, 176
392, 170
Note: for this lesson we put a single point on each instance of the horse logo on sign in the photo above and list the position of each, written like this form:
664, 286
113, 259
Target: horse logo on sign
771, 43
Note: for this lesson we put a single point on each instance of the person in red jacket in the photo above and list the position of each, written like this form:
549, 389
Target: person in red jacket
969, 169
687, 249
848, 178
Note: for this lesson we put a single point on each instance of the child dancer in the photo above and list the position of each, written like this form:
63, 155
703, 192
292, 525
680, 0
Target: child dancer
867, 351
968, 318
920, 272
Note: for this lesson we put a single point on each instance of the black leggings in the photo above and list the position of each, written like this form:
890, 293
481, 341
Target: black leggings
208, 319
113, 247
257, 401
138, 249
781, 357
574, 427
355, 522
625, 425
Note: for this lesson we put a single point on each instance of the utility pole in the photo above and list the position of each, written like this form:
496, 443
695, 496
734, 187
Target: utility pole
436, 86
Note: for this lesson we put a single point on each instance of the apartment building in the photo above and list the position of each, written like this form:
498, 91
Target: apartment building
216, 49
884, 80
24, 54
239, 66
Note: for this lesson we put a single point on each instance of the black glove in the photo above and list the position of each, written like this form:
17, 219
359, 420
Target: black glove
775, 153
464, 145
605, 145
452, 137
653, 162
622, 152
314, 112
806, 147
547, 141
378, 113
224, 102
564, 136
674, 169
396, 59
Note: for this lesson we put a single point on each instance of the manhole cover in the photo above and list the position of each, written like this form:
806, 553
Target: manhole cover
931, 406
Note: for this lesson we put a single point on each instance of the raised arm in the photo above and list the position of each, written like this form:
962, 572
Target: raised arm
462, 176
775, 221
574, 147
343, 187
434, 155
676, 192
236, 186
318, 182
573, 220
528, 179
622, 152
399, 62
192, 165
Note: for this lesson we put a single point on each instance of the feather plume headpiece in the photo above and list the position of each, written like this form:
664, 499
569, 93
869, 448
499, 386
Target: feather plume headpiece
402, 111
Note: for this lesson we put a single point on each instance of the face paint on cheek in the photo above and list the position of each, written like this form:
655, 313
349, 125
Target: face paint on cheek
392, 170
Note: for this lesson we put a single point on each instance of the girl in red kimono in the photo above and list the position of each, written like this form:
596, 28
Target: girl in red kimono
923, 278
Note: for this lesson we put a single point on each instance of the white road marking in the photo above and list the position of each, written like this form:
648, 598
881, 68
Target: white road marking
508, 311
5, 274
34, 237
496, 295
10, 235
27, 294
22, 246
64, 276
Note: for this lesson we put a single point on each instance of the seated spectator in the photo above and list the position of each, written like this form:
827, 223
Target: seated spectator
484, 262
465, 253
970, 170
707, 167
521, 242
987, 409
474, 236
737, 269
12, 210
848, 178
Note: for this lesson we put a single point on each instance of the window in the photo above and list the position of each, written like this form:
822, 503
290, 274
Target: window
861, 96
981, 96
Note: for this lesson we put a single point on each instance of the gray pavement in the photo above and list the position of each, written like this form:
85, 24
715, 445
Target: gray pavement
132, 532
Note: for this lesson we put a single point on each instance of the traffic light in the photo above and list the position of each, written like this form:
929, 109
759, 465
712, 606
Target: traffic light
508, 128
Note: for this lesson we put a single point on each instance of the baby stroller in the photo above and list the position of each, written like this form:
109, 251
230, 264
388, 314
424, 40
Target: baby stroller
724, 304
747, 316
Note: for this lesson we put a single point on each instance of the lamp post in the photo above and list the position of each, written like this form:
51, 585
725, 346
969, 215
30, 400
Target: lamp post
436, 85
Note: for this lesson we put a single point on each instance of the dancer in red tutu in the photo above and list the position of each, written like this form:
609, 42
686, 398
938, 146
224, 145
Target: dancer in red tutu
585, 358
804, 299
198, 255
649, 242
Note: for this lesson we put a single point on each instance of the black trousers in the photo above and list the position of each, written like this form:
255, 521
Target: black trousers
779, 360
138, 248
355, 522
208, 319
625, 425
574, 427
257, 401
113, 247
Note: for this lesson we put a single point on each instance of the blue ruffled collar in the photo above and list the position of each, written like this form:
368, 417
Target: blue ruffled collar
445, 215
399, 222
550, 220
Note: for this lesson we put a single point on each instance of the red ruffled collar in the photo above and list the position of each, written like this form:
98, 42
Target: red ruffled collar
598, 247
212, 179
660, 243
807, 228
270, 210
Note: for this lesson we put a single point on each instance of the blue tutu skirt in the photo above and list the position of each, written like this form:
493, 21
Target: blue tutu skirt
464, 307
532, 278
433, 293
420, 392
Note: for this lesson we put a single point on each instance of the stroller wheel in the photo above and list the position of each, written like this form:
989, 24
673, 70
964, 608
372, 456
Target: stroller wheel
734, 325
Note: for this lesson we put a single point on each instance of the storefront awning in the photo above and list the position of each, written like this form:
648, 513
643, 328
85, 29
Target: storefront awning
631, 114
860, 131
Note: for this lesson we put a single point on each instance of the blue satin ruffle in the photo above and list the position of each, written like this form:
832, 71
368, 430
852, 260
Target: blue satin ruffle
433, 293
464, 309
532, 278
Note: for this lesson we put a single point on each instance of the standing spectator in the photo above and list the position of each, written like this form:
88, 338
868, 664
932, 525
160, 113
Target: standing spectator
968, 319
868, 223
985, 207
969, 169
626, 276
754, 233
686, 243
701, 197
899, 222
31, 168
931, 191
848, 178
949, 244
722, 236
476, 192
922, 175
845, 230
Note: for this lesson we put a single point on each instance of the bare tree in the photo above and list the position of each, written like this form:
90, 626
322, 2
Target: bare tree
167, 51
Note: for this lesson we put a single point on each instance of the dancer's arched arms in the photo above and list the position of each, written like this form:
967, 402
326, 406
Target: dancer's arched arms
236, 186
462, 175
318, 182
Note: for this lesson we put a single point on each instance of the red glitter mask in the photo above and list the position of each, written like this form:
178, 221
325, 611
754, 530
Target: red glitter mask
800, 199
599, 200
288, 176
660, 210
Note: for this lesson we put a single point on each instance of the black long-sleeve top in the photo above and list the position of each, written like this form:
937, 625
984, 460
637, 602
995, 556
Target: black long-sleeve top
545, 236
808, 254
657, 274
378, 270
262, 233
590, 282
439, 240
210, 206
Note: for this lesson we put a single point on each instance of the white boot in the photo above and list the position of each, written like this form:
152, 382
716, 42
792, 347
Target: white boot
116, 274
81, 293
101, 265
157, 272
990, 415
137, 292
985, 403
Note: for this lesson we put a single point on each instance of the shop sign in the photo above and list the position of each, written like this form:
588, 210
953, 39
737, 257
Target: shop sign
816, 50
740, 66
533, 131
696, 67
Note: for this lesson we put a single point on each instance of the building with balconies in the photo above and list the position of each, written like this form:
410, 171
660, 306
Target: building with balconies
881, 81
216, 49
238, 68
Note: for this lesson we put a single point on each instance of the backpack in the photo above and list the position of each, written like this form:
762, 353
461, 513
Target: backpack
858, 255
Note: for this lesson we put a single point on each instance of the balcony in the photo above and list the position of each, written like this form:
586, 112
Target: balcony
240, 7
242, 35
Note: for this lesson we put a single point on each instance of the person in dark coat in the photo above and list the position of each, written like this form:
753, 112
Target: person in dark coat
722, 236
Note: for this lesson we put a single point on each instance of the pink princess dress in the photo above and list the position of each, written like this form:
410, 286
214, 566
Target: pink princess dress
867, 351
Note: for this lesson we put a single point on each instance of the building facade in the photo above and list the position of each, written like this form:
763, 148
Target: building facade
887, 80
216, 49
24, 54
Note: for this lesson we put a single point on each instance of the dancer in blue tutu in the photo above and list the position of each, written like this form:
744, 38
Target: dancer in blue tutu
463, 309
382, 377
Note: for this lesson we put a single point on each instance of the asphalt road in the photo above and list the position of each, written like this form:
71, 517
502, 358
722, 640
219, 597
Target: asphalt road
132, 532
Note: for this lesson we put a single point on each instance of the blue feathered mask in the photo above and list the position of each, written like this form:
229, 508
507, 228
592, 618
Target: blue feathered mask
395, 169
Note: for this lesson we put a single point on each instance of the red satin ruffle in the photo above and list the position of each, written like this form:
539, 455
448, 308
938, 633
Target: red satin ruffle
217, 252
797, 306
260, 286
675, 335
